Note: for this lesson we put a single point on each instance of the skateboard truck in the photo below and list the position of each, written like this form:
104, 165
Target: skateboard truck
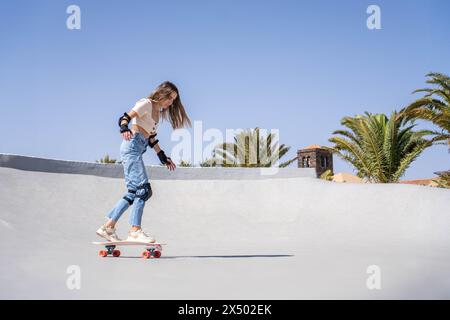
151, 252
110, 250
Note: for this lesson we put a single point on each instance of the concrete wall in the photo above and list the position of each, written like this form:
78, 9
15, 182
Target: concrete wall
155, 172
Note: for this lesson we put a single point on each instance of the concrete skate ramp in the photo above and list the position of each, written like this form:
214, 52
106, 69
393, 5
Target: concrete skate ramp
283, 238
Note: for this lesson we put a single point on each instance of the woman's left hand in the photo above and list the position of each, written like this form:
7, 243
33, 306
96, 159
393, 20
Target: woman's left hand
166, 160
170, 165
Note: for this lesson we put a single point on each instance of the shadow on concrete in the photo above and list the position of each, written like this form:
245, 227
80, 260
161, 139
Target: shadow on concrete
215, 257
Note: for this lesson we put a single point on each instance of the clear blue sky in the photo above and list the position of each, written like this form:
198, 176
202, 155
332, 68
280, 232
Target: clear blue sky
296, 66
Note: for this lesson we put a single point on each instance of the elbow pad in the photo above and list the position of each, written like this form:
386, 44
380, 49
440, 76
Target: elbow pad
124, 126
152, 144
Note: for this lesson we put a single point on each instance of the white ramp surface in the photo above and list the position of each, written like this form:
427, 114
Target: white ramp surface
284, 238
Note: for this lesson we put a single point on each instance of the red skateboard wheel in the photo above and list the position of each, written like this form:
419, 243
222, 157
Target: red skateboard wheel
116, 253
146, 255
103, 253
157, 253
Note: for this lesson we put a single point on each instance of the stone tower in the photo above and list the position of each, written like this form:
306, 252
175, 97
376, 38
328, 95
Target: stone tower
315, 157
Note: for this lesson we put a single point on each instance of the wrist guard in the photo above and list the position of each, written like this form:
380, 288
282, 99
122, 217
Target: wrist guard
124, 126
163, 158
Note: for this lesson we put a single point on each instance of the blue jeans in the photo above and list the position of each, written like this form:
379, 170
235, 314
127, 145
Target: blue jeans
135, 177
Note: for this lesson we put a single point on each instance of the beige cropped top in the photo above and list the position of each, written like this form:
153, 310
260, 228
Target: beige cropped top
144, 119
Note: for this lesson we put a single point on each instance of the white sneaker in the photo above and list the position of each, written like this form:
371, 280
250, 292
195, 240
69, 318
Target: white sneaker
140, 236
108, 233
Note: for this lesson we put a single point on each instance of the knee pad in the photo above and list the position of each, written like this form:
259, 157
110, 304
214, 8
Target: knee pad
144, 192
130, 201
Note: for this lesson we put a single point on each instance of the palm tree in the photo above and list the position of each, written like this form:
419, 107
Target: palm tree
327, 175
248, 150
106, 159
185, 164
379, 148
443, 180
434, 106
211, 162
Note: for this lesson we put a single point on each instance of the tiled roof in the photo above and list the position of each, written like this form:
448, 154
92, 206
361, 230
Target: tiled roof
314, 146
347, 177
422, 182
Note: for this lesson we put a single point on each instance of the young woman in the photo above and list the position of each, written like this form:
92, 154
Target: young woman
163, 102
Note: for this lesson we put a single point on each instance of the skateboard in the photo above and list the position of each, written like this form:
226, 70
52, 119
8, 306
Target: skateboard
152, 250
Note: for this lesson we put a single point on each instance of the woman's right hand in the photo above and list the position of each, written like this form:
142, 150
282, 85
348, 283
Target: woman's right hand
127, 135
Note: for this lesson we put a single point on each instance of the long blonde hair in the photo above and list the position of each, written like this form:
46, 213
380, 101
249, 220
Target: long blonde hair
175, 114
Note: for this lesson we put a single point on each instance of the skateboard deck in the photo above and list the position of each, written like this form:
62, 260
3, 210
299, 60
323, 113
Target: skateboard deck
152, 250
